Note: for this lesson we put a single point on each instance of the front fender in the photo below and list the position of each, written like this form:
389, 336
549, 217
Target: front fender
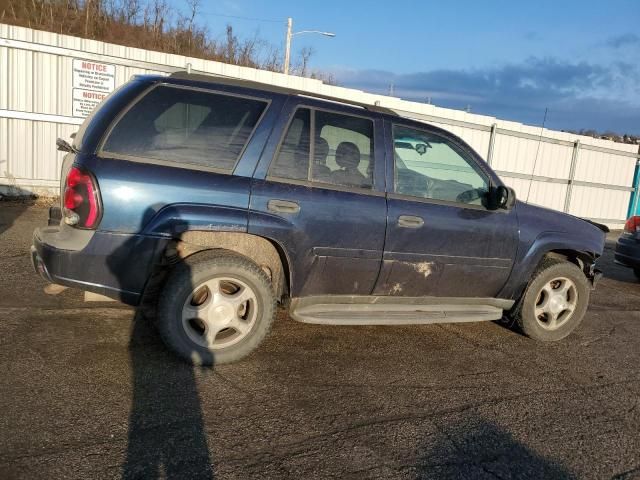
585, 247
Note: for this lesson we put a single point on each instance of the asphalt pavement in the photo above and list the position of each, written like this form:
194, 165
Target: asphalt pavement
89, 391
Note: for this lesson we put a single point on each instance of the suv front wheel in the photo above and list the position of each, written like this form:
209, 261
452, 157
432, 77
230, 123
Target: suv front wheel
215, 308
555, 301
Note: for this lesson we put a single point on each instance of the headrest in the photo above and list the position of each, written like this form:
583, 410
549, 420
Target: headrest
322, 150
348, 155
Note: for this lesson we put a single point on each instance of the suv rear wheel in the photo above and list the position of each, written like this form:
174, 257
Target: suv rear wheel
215, 308
555, 301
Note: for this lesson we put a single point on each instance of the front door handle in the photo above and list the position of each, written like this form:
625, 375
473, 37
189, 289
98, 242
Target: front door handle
409, 221
283, 206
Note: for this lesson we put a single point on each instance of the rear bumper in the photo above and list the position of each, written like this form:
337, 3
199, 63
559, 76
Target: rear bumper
39, 266
115, 265
627, 252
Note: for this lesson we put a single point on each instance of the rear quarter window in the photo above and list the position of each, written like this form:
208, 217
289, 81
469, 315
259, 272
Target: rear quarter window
186, 126
92, 129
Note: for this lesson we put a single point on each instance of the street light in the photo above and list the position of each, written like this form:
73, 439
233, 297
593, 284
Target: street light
290, 35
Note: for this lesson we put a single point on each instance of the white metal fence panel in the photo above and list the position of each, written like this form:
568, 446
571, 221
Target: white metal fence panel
598, 202
551, 195
36, 106
605, 168
531, 157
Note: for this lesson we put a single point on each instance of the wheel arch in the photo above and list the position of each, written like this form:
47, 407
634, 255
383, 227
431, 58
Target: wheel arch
581, 252
582, 259
266, 253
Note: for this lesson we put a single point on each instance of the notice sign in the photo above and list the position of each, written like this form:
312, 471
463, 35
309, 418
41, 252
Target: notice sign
84, 101
92, 81
88, 75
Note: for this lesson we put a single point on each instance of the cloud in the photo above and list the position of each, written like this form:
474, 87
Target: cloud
578, 94
624, 40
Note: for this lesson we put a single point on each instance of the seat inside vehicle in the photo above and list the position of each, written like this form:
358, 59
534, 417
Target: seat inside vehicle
321, 172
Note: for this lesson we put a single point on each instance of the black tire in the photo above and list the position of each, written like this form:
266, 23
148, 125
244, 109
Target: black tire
525, 316
195, 270
636, 271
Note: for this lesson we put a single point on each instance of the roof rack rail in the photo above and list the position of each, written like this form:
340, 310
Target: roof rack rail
238, 82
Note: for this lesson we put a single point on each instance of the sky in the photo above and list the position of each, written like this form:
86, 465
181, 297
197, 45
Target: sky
510, 59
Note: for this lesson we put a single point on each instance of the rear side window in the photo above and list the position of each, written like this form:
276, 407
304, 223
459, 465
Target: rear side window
293, 159
186, 126
338, 150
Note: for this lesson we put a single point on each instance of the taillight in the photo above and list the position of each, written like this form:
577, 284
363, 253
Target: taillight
81, 202
632, 225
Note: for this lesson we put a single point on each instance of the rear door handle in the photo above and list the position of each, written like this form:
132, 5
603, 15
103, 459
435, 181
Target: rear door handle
409, 221
283, 206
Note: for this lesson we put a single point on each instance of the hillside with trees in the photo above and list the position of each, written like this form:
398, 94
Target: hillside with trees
608, 135
152, 25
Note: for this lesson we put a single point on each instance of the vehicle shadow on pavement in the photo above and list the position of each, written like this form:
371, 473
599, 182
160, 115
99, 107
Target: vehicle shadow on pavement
166, 435
12, 207
477, 448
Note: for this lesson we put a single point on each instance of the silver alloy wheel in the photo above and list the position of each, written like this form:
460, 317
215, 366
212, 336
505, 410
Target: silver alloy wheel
219, 312
556, 303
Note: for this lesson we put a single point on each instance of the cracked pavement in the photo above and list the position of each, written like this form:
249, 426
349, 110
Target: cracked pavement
87, 392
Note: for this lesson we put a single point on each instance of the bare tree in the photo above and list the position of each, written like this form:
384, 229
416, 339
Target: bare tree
272, 60
131, 11
160, 12
154, 25
193, 7
305, 55
87, 7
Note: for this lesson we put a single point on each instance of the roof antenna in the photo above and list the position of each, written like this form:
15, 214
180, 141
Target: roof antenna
533, 171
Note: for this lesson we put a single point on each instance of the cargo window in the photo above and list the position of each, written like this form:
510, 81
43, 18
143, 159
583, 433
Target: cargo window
186, 126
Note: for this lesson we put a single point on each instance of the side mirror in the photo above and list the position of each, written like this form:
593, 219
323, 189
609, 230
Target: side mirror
63, 146
505, 197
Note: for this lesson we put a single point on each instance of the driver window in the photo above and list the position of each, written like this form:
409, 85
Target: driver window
429, 166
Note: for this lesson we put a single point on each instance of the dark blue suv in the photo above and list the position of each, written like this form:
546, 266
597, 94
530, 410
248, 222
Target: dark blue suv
208, 200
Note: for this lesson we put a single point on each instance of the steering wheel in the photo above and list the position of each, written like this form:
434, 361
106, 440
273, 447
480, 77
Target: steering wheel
469, 196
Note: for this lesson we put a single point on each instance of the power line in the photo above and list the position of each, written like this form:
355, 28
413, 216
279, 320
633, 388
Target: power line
239, 17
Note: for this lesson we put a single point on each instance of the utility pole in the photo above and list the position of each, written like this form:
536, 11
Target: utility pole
287, 48
290, 35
